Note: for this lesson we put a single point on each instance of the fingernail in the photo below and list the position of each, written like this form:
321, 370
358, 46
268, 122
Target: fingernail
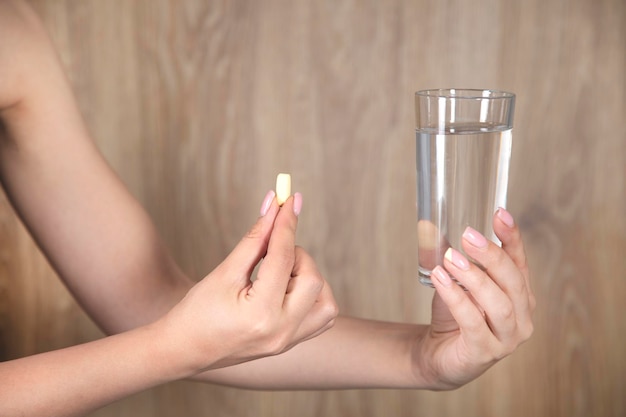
267, 202
297, 203
442, 276
457, 259
475, 238
505, 216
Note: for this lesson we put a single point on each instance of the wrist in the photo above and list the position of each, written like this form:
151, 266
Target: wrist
426, 372
172, 350
187, 356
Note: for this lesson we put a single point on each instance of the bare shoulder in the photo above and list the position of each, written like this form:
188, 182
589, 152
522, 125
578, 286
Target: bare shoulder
24, 43
20, 26
16, 14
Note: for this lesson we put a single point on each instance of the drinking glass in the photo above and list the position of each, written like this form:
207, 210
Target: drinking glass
463, 148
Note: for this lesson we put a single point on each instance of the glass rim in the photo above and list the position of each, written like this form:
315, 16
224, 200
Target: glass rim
465, 93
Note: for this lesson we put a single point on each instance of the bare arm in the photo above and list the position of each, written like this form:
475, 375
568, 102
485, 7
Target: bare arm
79, 379
94, 233
109, 254
354, 354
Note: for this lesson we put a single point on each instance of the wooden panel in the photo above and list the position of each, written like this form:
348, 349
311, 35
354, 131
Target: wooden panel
198, 104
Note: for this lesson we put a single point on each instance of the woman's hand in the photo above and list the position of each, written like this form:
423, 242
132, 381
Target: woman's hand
229, 316
472, 330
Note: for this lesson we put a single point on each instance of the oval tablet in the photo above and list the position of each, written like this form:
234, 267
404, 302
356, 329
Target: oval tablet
283, 188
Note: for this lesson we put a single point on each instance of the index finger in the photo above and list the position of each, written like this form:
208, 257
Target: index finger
277, 266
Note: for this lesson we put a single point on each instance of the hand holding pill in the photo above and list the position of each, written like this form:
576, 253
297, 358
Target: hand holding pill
286, 303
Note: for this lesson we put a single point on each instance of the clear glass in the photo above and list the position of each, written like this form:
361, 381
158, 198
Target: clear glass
463, 148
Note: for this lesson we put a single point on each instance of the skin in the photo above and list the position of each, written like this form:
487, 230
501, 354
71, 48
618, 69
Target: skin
280, 332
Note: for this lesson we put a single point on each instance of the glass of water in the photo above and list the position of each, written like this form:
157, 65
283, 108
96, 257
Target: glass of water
463, 146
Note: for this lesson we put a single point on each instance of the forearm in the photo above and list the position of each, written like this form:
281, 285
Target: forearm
355, 353
79, 379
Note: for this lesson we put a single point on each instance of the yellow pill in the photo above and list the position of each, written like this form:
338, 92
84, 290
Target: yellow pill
283, 188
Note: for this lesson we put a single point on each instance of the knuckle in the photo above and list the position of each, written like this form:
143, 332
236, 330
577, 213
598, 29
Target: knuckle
283, 260
498, 255
522, 335
316, 282
312, 280
279, 344
302, 256
518, 288
475, 324
262, 327
524, 268
330, 310
523, 263
504, 350
286, 222
527, 331
256, 232
506, 311
270, 336
477, 281
456, 297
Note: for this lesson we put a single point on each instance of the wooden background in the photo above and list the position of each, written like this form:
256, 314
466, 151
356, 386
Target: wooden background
198, 104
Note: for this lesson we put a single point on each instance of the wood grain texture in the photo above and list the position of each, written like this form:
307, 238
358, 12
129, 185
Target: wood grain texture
198, 104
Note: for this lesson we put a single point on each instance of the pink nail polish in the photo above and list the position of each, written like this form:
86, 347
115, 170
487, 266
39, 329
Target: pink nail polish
457, 259
267, 202
297, 203
505, 216
442, 276
475, 238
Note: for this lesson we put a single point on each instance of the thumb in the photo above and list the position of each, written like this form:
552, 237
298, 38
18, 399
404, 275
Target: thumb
253, 246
